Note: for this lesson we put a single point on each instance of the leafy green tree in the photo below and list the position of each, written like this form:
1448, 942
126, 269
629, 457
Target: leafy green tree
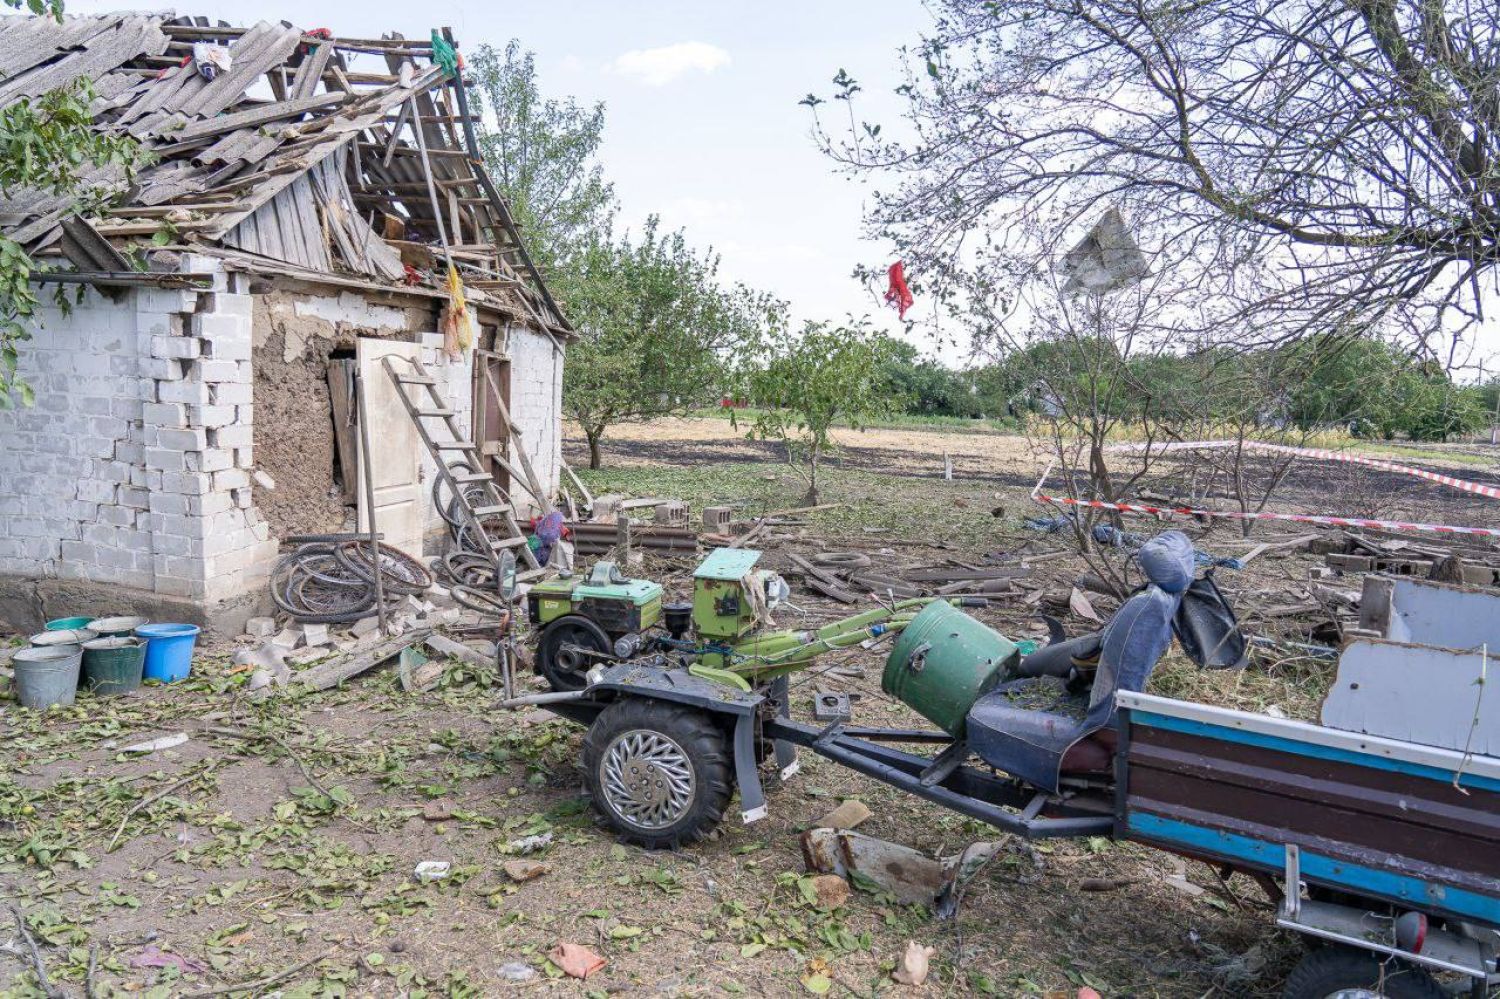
542, 154
48, 144
812, 379
660, 333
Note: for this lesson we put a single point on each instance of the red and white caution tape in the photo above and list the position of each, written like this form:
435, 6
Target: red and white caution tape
1329, 520
1492, 492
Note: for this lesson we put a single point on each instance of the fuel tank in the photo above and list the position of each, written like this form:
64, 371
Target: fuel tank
943, 661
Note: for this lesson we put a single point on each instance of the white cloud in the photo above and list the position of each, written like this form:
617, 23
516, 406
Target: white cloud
660, 66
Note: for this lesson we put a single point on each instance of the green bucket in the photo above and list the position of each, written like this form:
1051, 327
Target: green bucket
68, 623
943, 662
113, 665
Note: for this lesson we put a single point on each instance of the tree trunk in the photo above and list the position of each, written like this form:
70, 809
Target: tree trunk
594, 434
810, 498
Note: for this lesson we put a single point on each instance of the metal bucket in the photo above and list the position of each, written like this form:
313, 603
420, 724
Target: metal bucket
943, 662
113, 627
47, 675
113, 665
67, 623
58, 638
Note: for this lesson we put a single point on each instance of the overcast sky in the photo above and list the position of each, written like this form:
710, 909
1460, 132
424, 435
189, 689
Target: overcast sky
703, 125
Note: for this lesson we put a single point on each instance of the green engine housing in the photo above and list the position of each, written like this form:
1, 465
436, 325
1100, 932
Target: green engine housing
616, 604
722, 611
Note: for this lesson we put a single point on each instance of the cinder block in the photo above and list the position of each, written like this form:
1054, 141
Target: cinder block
223, 371
169, 504
177, 347
234, 435
211, 416
187, 483
233, 478
231, 394
97, 491
162, 369
244, 457
117, 516
210, 460
191, 439
210, 504
165, 459
165, 414
77, 552
134, 499
193, 393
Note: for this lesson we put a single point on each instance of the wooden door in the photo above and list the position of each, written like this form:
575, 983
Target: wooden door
491, 434
397, 464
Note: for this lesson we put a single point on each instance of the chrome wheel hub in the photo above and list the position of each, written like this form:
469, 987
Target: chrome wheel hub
647, 779
1355, 994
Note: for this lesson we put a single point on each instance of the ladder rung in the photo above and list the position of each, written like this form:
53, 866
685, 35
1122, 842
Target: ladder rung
498, 543
490, 511
433, 412
471, 476
453, 446
415, 380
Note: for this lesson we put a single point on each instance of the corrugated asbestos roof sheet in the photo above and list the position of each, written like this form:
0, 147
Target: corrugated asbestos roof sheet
290, 153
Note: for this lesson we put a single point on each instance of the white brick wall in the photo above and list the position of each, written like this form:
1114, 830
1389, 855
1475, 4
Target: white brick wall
536, 368
455, 384
116, 475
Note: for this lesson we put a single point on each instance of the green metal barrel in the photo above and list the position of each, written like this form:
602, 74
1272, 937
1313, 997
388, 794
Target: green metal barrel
943, 662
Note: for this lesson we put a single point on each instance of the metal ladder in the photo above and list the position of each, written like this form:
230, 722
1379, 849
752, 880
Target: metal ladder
495, 504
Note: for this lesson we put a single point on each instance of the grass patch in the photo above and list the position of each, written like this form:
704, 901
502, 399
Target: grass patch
898, 421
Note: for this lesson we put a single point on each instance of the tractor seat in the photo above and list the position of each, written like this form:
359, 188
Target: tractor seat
1020, 726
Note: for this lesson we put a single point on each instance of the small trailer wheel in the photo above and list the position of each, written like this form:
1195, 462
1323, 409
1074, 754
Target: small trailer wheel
569, 646
1345, 973
658, 772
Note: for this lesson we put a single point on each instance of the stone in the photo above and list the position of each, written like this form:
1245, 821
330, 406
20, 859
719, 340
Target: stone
365, 626
263, 480
524, 870
315, 634
309, 655
288, 638
848, 815
260, 627
438, 811
831, 890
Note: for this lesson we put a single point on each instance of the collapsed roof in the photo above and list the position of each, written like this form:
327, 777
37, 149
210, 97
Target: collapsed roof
269, 148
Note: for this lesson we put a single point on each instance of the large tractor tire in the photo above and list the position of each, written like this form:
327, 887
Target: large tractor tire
658, 772
1345, 973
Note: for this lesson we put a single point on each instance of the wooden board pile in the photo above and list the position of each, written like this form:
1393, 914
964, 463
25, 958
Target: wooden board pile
849, 576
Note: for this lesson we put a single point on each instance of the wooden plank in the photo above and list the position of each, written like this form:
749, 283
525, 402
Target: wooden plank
335, 671
340, 394
254, 117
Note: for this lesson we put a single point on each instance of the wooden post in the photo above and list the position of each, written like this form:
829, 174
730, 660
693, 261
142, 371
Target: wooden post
368, 474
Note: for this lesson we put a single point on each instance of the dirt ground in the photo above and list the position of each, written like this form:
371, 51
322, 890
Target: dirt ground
274, 850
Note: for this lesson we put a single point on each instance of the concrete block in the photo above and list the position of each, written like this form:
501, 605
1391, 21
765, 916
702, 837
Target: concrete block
211, 416
231, 394
210, 460
234, 435
260, 627
365, 626
187, 483
315, 634
209, 504
233, 478
194, 393
161, 369
177, 347
97, 491
164, 414
244, 457
289, 637
165, 459
191, 439
222, 371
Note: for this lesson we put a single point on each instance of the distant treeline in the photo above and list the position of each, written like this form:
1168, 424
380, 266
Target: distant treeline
1366, 386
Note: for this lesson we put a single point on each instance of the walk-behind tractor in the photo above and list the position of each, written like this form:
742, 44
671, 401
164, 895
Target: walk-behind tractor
1387, 847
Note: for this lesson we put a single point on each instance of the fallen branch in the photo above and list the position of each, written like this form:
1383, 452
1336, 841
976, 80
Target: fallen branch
260, 983
235, 733
38, 965
153, 799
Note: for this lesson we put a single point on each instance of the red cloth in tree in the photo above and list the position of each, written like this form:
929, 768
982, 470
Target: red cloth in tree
898, 294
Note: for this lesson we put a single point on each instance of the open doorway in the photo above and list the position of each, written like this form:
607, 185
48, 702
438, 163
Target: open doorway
491, 406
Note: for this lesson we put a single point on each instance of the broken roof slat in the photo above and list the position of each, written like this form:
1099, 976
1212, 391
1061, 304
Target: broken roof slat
109, 49
252, 117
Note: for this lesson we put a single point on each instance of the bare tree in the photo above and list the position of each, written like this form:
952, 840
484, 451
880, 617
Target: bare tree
1353, 143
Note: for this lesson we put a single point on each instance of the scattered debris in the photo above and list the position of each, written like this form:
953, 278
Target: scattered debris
831, 705
847, 815
831, 891
260, 627
528, 844
516, 971
575, 960
156, 745
524, 870
914, 965
432, 870
154, 957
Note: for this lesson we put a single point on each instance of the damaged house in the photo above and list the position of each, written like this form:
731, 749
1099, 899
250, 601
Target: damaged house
307, 202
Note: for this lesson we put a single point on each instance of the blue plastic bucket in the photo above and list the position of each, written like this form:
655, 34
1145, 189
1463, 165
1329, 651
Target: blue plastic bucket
169, 650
